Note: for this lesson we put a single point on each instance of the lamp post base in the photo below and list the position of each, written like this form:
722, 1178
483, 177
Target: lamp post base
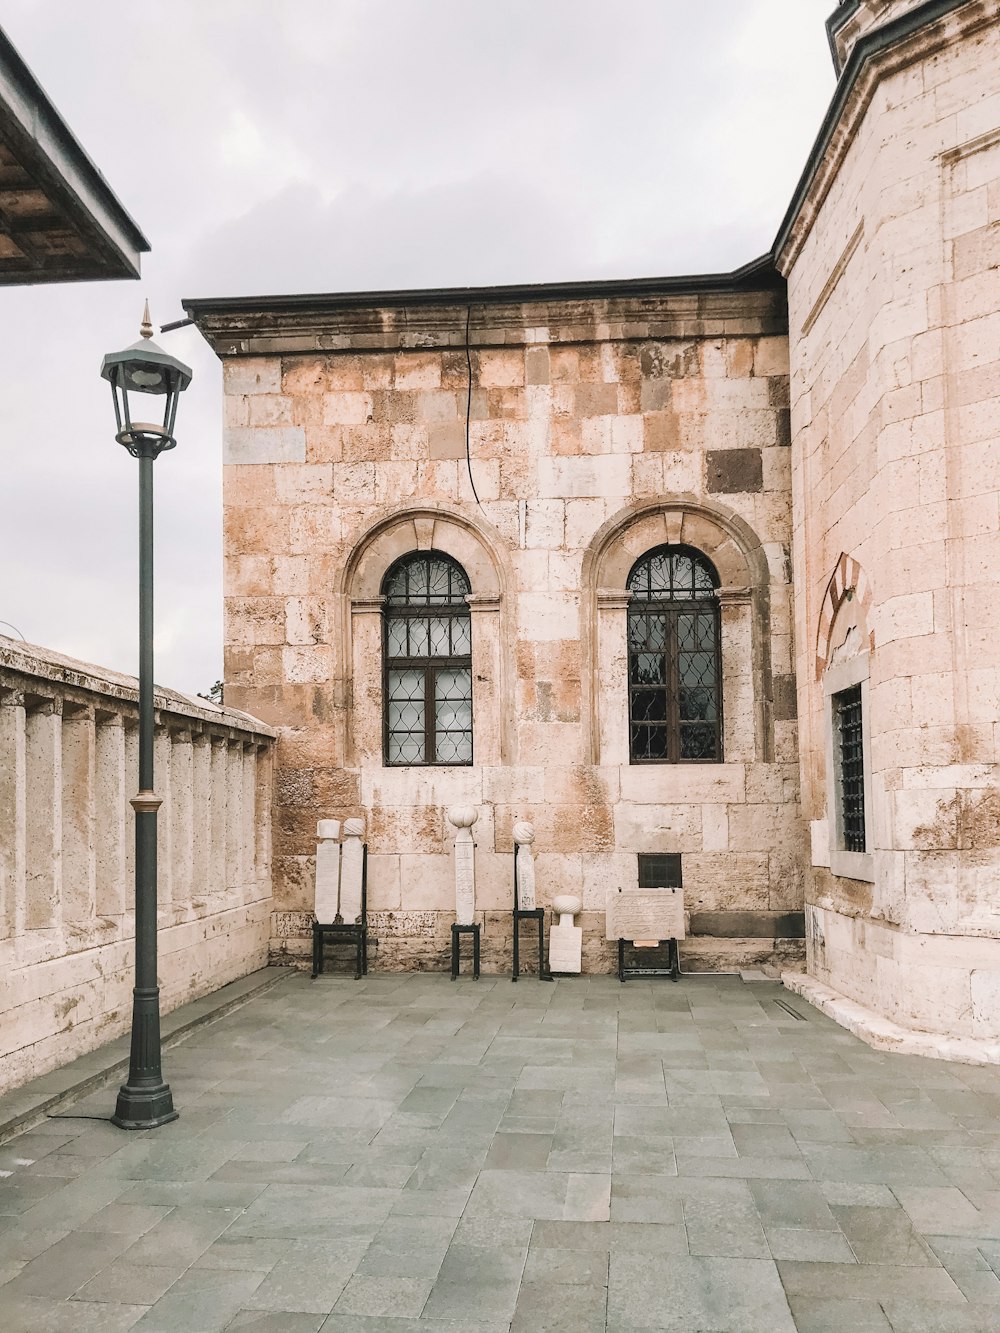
144, 1108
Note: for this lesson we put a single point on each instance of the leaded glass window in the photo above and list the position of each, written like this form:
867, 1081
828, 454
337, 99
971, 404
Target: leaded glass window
850, 766
427, 661
674, 659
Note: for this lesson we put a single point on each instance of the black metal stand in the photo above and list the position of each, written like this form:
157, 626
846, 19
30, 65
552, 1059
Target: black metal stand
533, 914
520, 914
457, 932
354, 933
672, 970
144, 1099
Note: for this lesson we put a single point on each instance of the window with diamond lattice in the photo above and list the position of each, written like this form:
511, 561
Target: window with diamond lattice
674, 659
427, 662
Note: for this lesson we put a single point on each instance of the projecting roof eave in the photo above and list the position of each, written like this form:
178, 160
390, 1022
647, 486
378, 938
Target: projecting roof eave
90, 235
867, 48
758, 276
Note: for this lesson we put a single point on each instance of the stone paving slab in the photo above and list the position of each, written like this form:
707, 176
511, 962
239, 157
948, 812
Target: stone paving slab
407, 1153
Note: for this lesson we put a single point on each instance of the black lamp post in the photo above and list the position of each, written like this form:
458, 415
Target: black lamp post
144, 1100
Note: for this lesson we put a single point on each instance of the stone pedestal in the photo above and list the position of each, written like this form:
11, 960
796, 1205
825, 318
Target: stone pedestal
566, 939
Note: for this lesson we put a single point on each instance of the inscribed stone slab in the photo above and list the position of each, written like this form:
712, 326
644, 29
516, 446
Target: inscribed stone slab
644, 914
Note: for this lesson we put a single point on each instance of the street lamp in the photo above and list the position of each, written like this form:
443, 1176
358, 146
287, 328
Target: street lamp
144, 1100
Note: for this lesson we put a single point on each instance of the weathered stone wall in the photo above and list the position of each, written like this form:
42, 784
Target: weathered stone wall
894, 288
599, 430
68, 768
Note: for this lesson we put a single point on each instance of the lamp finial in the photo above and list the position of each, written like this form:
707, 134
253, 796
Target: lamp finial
146, 327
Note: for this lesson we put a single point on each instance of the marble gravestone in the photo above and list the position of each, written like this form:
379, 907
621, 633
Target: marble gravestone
462, 817
352, 870
524, 836
327, 901
566, 939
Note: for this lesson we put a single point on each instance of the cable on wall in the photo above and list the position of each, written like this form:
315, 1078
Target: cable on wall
468, 408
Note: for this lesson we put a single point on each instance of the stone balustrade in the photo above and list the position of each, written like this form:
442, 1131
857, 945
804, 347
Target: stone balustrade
68, 766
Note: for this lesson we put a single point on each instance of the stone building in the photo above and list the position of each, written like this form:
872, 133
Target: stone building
534, 550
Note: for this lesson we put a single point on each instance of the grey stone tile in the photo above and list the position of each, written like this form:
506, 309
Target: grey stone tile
302, 1288
202, 1299
398, 1297
519, 1152
543, 1194
860, 1193
764, 1141
576, 1267
268, 1321
796, 1203
181, 1237
741, 1168
724, 1228
645, 1199
39, 1315
916, 1316
867, 1281
131, 1284
828, 1315
816, 1246
884, 1236
127, 1219
560, 1309
702, 1293
636, 1156
65, 1266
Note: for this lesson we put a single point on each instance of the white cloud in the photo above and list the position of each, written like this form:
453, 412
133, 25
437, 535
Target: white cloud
338, 144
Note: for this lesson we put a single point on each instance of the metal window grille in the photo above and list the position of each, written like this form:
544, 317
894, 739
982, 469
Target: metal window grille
674, 659
427, 662
659, 870
850, 766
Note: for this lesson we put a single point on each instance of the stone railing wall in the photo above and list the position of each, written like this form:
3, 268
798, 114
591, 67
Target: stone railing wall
68, 766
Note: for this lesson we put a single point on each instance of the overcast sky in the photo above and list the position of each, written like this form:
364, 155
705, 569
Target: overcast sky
268, 146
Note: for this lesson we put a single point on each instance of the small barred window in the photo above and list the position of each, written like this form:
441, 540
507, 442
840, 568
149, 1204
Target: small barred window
850, 766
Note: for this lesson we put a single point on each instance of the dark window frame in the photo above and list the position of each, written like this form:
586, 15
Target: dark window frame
415, 607
663, 608
849, 766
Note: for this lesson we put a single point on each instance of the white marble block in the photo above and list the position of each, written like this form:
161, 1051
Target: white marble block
566, 939
462, 817
327, 903
524, 836
352, 870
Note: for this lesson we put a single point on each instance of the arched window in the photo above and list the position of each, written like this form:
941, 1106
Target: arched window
427, 661
674, 659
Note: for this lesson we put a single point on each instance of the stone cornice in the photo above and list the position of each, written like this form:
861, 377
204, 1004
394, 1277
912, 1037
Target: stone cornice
494, 317
878, 53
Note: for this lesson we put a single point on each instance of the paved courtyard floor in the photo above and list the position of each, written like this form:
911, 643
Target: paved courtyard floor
409, 1153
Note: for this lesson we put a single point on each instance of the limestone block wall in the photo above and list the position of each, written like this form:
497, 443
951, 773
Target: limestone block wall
68, 767
598, 429
894, 287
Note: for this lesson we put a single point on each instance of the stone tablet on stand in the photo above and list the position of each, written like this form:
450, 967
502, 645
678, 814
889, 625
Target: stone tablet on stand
524, 836
462, 817
352, 871
327, 900
644, 914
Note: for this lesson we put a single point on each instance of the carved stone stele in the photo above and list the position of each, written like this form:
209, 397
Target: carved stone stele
352, 870
524, 836
327, 901
462, 817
